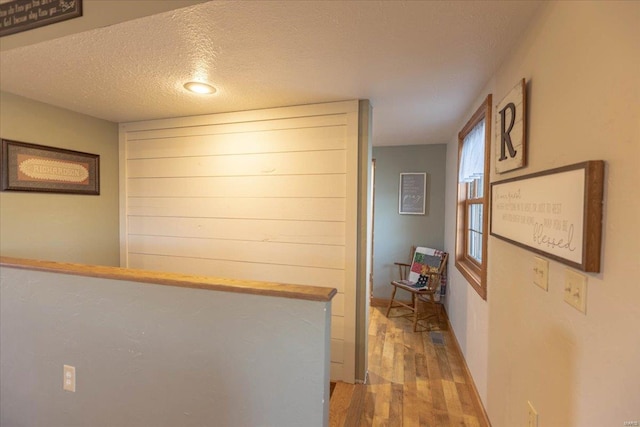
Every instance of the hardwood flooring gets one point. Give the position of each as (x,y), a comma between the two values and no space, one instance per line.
(415,379)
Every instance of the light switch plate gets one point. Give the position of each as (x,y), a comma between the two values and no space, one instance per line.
(541,272)
(575,290)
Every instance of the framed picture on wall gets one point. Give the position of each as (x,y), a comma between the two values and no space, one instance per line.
(38,168)
(556,213)
(412,193)
(24,15)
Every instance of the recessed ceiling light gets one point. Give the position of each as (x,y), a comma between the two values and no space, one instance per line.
(199,87)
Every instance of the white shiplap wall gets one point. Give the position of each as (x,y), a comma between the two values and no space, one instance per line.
(265,195)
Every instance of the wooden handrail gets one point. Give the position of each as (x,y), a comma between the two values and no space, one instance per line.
(303,292)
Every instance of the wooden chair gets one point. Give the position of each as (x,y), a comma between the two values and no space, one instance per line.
(422,279)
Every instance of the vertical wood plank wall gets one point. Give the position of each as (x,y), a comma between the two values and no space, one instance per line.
(266,195)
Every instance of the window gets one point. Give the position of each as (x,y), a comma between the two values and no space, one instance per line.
(473,188)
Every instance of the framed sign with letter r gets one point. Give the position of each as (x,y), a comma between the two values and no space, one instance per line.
(511,116)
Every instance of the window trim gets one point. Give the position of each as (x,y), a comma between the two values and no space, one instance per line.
(474,272)
(467,227)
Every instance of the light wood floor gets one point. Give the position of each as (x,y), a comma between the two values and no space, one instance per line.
(412,380)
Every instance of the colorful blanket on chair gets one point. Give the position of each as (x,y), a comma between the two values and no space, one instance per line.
(426,260)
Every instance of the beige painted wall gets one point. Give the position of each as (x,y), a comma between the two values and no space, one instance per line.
(61,227)
(581,63)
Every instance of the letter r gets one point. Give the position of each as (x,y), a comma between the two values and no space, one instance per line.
(505,137)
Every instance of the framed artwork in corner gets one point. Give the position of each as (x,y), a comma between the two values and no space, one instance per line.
(412,193)
(38,168)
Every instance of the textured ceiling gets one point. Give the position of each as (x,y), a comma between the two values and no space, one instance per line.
(420,63)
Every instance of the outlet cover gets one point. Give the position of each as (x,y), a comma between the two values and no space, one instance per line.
(69,378)
(541,272)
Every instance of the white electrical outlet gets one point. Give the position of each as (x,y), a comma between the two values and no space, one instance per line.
(532,415)
(69,378)
(541,272)
(575,290)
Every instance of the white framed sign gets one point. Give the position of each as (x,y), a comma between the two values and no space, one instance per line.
(412,193)
(556,213)
(510,140)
